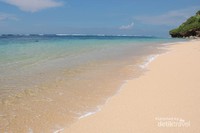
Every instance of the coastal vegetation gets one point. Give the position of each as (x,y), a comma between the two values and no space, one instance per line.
(189,28)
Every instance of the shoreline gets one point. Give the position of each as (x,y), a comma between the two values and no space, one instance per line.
(97,116)
(143,65)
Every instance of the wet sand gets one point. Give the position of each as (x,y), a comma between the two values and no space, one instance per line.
(164,99)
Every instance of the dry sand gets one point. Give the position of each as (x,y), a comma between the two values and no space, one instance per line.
(170,89)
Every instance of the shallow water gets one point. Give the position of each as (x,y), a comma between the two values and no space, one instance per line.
(49,81)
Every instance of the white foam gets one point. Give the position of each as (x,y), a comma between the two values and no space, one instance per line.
(61,34)
(148,61)
(59,130)
(90,113)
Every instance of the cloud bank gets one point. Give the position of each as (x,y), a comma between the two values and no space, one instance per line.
(171,18)
(33,5)
(127,27)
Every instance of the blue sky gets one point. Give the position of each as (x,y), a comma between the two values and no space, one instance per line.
(130,17)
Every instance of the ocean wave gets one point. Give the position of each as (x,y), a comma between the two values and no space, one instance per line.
(75,35)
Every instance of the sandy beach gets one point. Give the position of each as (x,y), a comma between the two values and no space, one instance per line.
(164,99)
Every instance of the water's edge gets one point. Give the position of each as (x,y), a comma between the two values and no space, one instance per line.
(143,65)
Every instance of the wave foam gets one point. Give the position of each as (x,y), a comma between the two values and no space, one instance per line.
(90,113)
(148,61)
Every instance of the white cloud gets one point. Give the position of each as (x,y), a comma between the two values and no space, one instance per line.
(127,27)
(33,5)
(6,16)
(170,18)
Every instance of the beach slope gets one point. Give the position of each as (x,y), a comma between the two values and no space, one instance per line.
(164,99)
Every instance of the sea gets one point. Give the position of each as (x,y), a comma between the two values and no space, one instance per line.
(49,81)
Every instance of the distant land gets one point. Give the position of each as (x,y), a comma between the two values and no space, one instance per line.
(190,28)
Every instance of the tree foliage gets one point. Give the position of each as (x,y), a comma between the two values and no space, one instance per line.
(188,28)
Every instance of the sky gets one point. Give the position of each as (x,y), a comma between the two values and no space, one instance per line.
(111,17)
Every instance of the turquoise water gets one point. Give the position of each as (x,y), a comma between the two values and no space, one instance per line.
(63,75)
